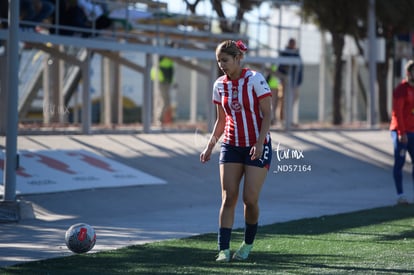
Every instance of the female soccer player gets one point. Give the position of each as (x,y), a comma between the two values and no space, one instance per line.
(243,100)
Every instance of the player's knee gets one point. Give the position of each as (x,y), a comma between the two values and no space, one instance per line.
(250,201)
(229,200)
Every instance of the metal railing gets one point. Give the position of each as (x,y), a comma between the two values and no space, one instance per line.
(195,35)
(139,22)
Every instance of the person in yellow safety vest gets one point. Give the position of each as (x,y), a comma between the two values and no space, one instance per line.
(165,80)
(274,85)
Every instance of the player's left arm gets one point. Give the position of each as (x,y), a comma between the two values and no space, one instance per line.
(264,95)
(265,106)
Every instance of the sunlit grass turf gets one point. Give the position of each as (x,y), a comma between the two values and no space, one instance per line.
(376,241)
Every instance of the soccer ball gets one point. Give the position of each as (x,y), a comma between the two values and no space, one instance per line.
(80,238)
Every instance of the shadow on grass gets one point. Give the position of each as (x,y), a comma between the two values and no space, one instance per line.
(340,222)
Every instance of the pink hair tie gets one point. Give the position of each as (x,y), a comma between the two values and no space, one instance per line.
(242,47)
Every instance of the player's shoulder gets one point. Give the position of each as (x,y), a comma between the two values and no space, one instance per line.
(254,76)
(253,73)
(402,87)
(220,80)
(257,80)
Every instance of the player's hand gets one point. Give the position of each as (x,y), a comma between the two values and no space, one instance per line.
(403,138)
(205,155)
(256,152)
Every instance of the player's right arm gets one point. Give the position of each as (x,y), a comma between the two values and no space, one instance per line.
(399,100)
(216,134)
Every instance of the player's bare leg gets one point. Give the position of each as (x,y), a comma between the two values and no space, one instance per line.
(230,177)
(253,181)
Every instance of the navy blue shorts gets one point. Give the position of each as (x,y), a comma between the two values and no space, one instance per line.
(230,153)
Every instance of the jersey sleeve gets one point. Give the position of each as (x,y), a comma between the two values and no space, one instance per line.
(398,108)
(261,87)
(216,95)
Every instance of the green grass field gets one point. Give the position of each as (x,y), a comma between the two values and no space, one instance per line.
(376,241)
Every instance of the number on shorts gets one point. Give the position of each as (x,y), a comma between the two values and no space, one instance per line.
(266,152)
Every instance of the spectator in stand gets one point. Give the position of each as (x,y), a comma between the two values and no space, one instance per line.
(165,84)
(291,76)
(273,82)
(35,11)
(82,14)
(4,13)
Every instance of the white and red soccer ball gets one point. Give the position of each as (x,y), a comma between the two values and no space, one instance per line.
(80,238)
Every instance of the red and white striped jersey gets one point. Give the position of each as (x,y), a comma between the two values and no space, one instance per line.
(240,101)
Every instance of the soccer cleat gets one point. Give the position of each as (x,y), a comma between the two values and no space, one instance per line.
(223,256)
(243,252)
(402,200)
